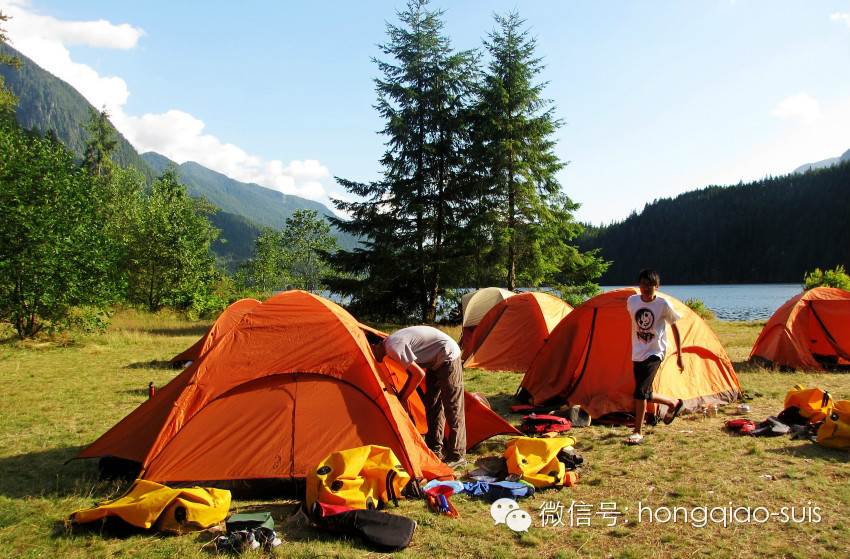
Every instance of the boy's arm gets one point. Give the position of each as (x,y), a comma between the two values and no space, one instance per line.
(678,340)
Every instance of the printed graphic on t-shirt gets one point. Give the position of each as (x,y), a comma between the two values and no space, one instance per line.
(645,321)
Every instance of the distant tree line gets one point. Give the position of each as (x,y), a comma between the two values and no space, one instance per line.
(770,231)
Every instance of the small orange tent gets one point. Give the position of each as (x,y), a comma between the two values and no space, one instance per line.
(587,361)
(811,331)
(475,305)
(225,321)
(292,382)
(513,331)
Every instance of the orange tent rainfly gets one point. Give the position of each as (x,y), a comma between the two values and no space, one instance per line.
(811,331)
(587,361)
(225,321)
(294,381)
(513,331)
(475,305)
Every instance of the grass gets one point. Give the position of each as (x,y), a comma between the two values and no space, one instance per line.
(59,396)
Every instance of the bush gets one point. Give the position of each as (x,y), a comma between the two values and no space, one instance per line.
(699,307)
(831,278)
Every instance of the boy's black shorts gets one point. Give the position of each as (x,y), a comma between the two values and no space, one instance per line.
(644,375)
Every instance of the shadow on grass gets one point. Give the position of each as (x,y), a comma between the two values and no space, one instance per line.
(501,404)
(813,451)
(198,330)
(153,365)
(46,474)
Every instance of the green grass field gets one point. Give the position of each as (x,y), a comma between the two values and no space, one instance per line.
(58,396)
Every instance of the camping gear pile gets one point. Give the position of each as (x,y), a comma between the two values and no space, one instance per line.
(809,413)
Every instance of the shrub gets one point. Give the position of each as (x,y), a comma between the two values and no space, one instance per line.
(699,307)
(830,278)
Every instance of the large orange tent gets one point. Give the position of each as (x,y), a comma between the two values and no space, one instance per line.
(475,305)
(225,321)
(587,361)
(292,382)
(513,331)
(811,331)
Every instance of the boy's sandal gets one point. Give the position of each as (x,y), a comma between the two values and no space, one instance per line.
(670,416)
(634,438)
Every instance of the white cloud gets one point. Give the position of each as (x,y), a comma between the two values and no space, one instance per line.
(799,106)
(175,134)
(179,136)
(100,33)
(841,17)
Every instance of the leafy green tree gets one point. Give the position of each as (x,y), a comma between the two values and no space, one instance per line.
(266,268)
(306,238)
(50,241)
(168,259)
(836,277)
(527,218)
(407,217)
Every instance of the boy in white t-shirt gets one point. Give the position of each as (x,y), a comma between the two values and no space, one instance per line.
(649,316)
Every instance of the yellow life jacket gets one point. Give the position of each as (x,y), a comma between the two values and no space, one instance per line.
(835,431)
(178,511)
(814,403)
(536,460)
(366,477)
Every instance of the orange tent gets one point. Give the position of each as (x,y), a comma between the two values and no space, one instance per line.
(513,331)
(292,382)
(587,361)
(811,331)
(225,321)
(475,305)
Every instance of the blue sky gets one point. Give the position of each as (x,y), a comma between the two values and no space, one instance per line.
(657,98)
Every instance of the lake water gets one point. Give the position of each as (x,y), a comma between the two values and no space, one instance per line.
(735,302)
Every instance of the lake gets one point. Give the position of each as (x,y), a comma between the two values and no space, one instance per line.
(735,302)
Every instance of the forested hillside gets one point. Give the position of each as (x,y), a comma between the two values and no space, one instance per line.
(262,206)
(770,231)
(47,103)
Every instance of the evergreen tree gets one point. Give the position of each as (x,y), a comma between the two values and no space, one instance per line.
(407,217)
(526,218)
(97,157)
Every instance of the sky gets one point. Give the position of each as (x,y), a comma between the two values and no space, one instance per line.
(656,98)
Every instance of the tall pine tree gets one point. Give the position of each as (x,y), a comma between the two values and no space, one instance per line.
(528,217)
(407,217)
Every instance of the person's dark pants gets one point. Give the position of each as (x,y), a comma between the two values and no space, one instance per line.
(444,409)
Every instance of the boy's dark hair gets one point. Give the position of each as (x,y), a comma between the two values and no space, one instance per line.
(649,274)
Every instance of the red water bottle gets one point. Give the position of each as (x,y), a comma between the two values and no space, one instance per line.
(151,389)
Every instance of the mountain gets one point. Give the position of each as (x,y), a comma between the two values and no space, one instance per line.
(769,231)
(823,164)
(261,205)
(48,103)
